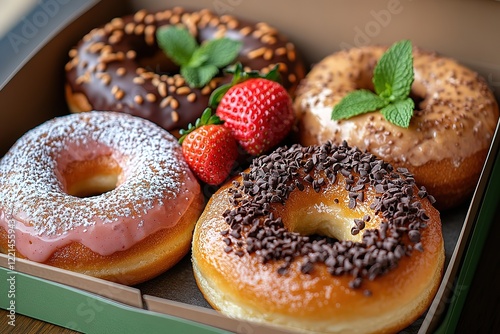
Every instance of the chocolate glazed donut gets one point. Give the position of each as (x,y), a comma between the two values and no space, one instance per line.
(120,67)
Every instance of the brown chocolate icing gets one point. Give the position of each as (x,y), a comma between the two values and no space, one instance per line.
(120,67)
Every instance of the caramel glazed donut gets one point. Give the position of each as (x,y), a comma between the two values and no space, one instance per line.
(120,66)
(100,193)
(448,139)
(323,239)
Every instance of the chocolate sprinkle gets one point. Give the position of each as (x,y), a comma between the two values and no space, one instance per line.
(271,178)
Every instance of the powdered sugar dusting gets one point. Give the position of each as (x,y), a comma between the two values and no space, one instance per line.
(32,190)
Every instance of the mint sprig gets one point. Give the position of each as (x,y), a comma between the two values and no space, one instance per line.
(392,79)
(198,63)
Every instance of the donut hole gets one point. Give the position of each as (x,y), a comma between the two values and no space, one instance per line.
(93,177)
(156,61)
(328,219)
(317,223)
(417,92)
(150,57)
(364,81)
(327,213)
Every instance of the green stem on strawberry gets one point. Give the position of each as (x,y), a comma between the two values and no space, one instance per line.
(209,148)
(207,118)
(256,108)
(240,75)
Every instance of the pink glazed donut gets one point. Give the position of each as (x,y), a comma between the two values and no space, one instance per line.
(101,193)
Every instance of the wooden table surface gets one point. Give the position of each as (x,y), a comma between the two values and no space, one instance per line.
(27,325)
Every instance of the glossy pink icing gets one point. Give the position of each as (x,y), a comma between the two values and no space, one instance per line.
(153,192)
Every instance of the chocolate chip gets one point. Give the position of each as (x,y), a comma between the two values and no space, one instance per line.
(282,270)
(355,283)
(306,268)
(240,253)
(352,203)
(431,199)
(414,236)
(235,234)
(360,224)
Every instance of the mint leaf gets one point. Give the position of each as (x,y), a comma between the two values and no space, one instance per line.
(393,74)
(399,112)
(199,76)
(392,79)
(177,43)
(220,52)
(357,102)
(197,59)
(198,64)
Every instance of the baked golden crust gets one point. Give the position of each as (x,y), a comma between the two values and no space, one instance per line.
(241,285)
(101,193)
(145,260)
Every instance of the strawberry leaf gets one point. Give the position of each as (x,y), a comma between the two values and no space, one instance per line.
(207,118)
(217,95)
(274,74)
(240,75)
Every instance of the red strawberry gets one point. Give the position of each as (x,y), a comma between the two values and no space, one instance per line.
(258,111)
(209,149)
